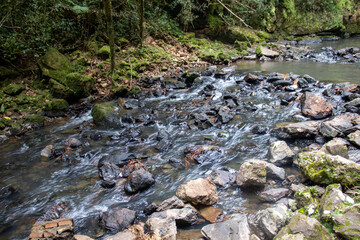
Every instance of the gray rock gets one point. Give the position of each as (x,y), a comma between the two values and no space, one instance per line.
(82,237)
(173,202)
(269,221)
(116,220)
(327,130)
(315,107)
(337,146)
(252,174)
(250,57)
(303,227)
(109,172)
(122,236)
(323,168)
(161,224)
(280,154)
(139,180)
(353,106)
(201,190)
(74,143)
(347,223)
(268,52)
(222,177)
(47,152)
(233,229)
(184,216)
(308,129)
(354,138)
(273,172)
(273,195)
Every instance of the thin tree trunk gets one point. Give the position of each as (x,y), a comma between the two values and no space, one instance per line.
(110,30)
(141,22)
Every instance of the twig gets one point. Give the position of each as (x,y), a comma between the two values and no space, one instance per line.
(241,20)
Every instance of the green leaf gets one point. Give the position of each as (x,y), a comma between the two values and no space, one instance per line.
(2,109)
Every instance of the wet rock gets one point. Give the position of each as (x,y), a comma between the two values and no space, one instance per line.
(308,129)
(162,225)
(273,195)
(353,106)
(275,77)
(346,224)
(223,177)
(354,138)
(252,79)
(287,99)
(333,200)
(190,77)
(130,167)
(337,146)
(74,143)
(280,153)
(273,172)
(139,180)
(225,115)
(3,139)
(57,229)
(6,192)
(118,219)
(55,212)
(109,172)
(268,52)
(184,216)
(202,154)
(122,236)
(119,159)
(235,228)
(210,213)
(303,227)
(315,107)
(47,152)
(269,221)
(173,202)
(105,114)
(303,83)
(151,208)
(338,125)
(257,129)
(201,191)
(252,174)
(323,168)
(283,83)
(309,79)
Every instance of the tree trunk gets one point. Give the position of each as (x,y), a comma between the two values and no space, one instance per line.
(141,22)
(110,30)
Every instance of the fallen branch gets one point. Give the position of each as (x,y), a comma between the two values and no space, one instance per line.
(241,20)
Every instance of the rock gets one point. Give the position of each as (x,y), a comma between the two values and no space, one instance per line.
(225,115)
(14,89)
(353,106)
(104,114)
(74,143)
(82,237)
(223,178)
(334,200)
(328,131)
(109,172)
(122,236)
(108,184)
(62,228)
(118,219)
(273,172)
(268,53)
(273,195)
(303,227)
(56,108)
(315,107)
(283,83)
(210,213)
(250,57)
(160,224)
(34,121)
(338,125)
(104,52)
(252,79)
(269,221)
(346,224)
(354,138)
(201,191)
(55,65)
(119,159)
(309,78)
(304,197)
(233,229)
(47,152)
(184,216)
(151,208)
(323,168)
(139,180)
(252,174)
(308,129)
(280,154)
(173,202)
(337,146)
(55,212)
(7,73)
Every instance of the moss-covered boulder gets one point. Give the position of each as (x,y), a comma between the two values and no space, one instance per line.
(7,73)
(106,114)
(55,65)
(323,168)
(59,90)
(241,45)
(34,121)
(303,227)
(56,108)
(347,223)
(104,52)
(14,89)
(79,84)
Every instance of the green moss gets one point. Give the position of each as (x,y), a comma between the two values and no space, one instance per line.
(79,84)
(59,90)
(57,105)
(244,34)
(14,89)
(104,52)
(7,73)
(100,111)
(241,45)
(258,51)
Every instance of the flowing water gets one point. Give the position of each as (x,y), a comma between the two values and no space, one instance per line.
(31,185)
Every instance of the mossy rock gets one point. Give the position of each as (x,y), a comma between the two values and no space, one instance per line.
(59,90)
(57,105)
(7,73)
(5,123)
(243,34)
(14,89)
(55,65)
(35,121)
(15,129)
(104,113)
(79,84)
(241,45)
(326,169)
(104,52)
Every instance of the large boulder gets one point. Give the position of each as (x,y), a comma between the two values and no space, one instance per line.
(55,65)
(160,224)
(105,114)
(269,221)
(337,146)
(303,227)
(233,229)
(308,129)
(268,52)
(315,107)
(280,153)
(252,174)
(116,220)
(323,168)
(184,216)
(14,89)
(201,191)
(139,180)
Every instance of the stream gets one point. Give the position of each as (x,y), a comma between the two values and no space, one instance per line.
(30,185)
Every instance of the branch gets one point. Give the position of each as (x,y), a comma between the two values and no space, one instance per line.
(241,20)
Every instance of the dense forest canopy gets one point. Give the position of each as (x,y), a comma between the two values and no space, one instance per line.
(31,26)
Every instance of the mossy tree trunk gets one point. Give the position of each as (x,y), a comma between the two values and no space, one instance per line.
(110,30)
(141,21)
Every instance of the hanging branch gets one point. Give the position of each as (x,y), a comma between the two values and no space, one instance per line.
(241,20)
